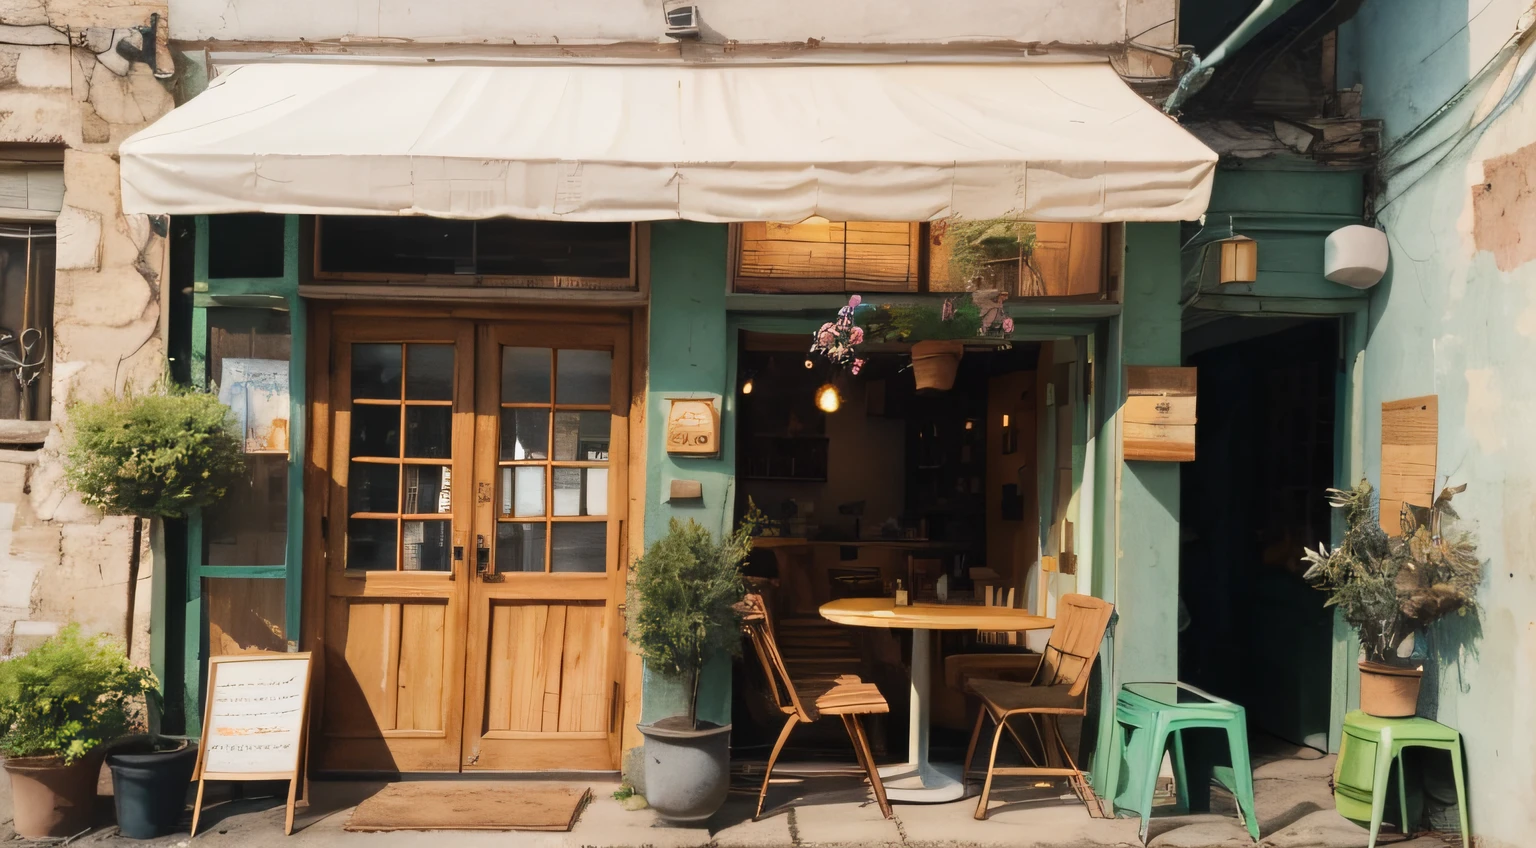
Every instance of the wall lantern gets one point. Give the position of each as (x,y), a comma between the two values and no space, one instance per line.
(1239,260)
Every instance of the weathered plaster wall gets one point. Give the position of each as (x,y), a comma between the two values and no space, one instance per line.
(59,560)
(747,21)
(1456,317)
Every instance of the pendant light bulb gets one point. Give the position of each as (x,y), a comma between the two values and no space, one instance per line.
(827,399)
(809,364)
(746,388)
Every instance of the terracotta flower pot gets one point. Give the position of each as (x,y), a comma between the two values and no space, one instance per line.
(934,364)
(1388,691)
(51,798)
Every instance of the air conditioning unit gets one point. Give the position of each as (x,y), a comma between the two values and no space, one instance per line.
(1356,256)
(682,21)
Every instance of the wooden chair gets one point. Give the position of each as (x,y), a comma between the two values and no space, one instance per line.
(845,696)
(1006,657)
(1059,687)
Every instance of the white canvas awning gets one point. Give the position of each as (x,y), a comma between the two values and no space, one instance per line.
(913,142)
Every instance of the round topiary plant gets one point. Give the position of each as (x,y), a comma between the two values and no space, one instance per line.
(154,455)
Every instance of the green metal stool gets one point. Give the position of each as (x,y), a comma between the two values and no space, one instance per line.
(1367,751)
(1157,711)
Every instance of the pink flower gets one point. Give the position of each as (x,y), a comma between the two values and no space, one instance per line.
(1008,325)
(826,338)
(857,364)
(857,337)
(855,301)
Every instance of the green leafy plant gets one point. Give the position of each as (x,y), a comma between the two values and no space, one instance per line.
(1391,587)
(683,601)
(154,455)
(69,695)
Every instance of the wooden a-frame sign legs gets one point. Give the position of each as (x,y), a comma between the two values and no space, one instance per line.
(254,722)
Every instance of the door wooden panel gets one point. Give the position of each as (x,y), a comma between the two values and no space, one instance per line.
(546,668)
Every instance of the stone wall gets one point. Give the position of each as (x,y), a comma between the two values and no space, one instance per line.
(79,74)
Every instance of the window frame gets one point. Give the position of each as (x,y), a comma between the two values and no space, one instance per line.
(33,429)
(315,224)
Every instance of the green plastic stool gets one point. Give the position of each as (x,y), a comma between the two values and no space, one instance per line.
(1367,751)
(1157,711)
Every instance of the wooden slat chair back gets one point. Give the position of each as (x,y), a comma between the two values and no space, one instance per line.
(997,596)
(845,696)
(1059,687)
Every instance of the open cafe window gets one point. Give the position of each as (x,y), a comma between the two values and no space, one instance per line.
(1025,259)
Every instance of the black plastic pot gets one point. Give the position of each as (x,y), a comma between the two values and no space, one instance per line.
(150,789)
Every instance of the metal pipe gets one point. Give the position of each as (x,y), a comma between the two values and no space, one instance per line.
(1200,73)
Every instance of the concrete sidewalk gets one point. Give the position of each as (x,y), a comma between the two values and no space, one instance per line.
(1294,806)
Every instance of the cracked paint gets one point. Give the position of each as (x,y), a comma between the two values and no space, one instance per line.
(1504,205)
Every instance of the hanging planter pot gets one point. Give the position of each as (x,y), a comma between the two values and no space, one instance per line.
(934,364)
(1389,691)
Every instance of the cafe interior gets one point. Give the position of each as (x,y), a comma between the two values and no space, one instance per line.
(870,487)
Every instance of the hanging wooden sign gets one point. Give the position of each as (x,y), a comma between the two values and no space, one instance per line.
(693,427)
(253,723)
(1158,419)
(1410,435)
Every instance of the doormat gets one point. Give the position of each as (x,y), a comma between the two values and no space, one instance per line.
(471,805)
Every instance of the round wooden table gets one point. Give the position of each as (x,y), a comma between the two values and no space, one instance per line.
(921,780)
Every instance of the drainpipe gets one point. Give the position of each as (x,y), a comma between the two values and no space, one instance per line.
(1267,12)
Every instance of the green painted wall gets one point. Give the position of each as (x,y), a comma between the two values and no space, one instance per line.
(1147,543)
(688,358)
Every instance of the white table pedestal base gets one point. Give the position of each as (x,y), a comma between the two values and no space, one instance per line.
(933,783)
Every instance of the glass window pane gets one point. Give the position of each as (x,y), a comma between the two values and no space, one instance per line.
(371,544)
(525,434)
(522,491)
(376,431)
(376,371)
(582,436)
(429,432)
(506,246)
(426,546)
(580,547)
(567,491)
(525,374)
(581,491)
(429,372)
(519,547)
(379,244)
(245,245)
(372,487)
(428,489)
(597,491)
(249,525)
(584,376)
(244,614)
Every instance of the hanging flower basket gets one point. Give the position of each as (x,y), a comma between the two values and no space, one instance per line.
(934,364)
(937,332)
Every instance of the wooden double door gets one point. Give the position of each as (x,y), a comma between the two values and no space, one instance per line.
(473,544)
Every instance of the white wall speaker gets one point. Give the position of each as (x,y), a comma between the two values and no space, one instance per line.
(1356,256)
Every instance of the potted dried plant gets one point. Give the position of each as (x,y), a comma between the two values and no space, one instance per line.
(682,610)
(61,704)
(1391,588)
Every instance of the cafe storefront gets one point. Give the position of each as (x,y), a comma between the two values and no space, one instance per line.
(458,303)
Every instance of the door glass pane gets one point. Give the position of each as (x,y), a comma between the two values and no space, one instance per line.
(584,376)
(519,547)
(376,371)
(582,436)
(580,547)
(372,487)
(429,372)
(525,374)
(596,491)
(376,431)
(522,491)
(525,433)
(249,525)
(428,489)
(426,546)
(371,544)
(429,432)
(244,614)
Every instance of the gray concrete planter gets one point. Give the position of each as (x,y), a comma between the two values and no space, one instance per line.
(687,771)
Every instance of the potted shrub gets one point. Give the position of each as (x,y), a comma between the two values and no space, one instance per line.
(682,610)
(1390,588)
(60,705)
(152,456)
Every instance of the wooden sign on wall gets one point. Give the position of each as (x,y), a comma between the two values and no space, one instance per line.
(1410,432)
(693,427)
(1158,419)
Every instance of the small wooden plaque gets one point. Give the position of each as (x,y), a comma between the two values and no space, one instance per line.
(1410,436)
(693,427)
(1158,418)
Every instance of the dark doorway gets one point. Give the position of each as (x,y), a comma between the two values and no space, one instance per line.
(1255,632)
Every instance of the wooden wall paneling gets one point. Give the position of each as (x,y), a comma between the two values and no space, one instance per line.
(1410,434)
